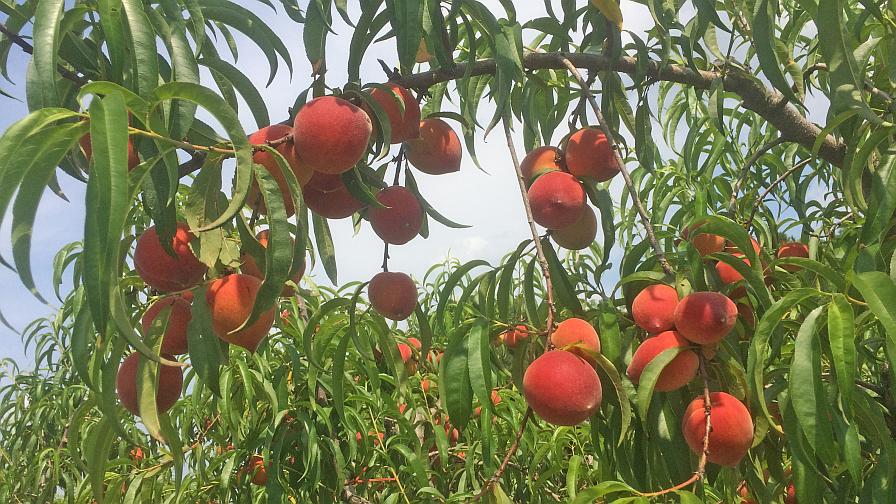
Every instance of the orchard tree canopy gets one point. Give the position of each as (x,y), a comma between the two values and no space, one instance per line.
(705,310)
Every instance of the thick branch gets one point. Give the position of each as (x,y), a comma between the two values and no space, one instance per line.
(768,103)
(633,191)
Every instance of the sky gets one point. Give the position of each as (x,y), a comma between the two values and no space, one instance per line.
(488,200)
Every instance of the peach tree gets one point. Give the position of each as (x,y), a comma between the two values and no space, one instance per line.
(705,310)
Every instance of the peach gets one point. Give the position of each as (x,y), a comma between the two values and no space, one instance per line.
(302,171)
(705,243)
(496,400)
(732,428)
(425,385)
(728,275)
(251,267)
(87,148)
(654,308)
(677,373)
(580,235)
(562,388)
(400,218)
(705,317)
(331,134)
(577,336)
(437,151)
(136,454)
(393,295)
(327,196)
(542,160)
(792,249)
(405,124)
(230,300)
(790,495)
(257,470)
(515,336)
(557,200)
(174,342)
(164,272)
(588,154)
(406,350)
(170,384)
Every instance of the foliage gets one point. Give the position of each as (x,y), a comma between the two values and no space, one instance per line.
(727,86)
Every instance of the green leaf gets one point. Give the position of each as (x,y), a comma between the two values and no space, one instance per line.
(96,451)
(407,18)
(207,351)
(764,37)
(479,362)
(142,46)
(454,382)
(112,22)
(879,291)
(651,374)
(609,370)
(243,85)
(841,335)
(807,393)
(325,248)
(42,90)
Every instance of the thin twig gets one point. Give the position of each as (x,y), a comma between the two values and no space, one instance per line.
(633,191)
(28,48)
(771,188)
(701,465)
(732,203)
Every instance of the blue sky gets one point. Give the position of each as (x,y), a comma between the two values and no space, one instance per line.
(488,201)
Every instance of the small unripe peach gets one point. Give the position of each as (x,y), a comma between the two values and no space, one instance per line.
(515,336)
(331,134)
(405,124)
(327,196)
(580,235)
(792,249)
(230,301)
(705,317)
(588,154)
(654,308)
(677,373)
(393,295)
(557,200)
(437,151)
(577,336)
(163,272)
(562,388)
(399,219)
(541,160)
(732,428)
(170,384)
(174,342)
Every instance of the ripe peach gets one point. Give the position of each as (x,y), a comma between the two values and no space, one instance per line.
(515,336)
(407,354)
(405,124)
(728,275)
(731,248)
(399,220)
(393,295)
(425,385)
(654,308)
(251,267)
(230,300)
(136,454)
(580,235)
(562,388)
(557,200)
(327,196)
(162,271)
(792,249)
(174,342)
(437,151)
(790,495)
(542,160)
(732,428)
(705,317)
(87,148)
(170,384)
(588,154)
(301,170)
(705,243)
(677,373)
(496,400)
(331,134)
(577,336)
(257,470)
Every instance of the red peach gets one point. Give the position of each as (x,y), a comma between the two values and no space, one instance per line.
(580,235)
(301,170)
(230,301)
(732,428)
(588,154)
(251,267)
(705,243)
(170,384)
(164,272)
(792,249)
(437,151)
(654,308)
(327,196)
(515,336)
(577,336)
(542,160)
(405,124)
(562,388)
(677,373)
(174,342)
(705,317)
(399,219)
(393,295)
(331,134)
(557,200)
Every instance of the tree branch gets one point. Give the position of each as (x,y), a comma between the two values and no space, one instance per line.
(755,96)
(732,204)
(633,191)
(771,187)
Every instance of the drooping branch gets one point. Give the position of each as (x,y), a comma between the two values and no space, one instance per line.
(632,190)
(755,96)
